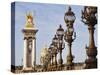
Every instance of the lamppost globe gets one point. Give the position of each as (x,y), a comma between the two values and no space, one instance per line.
(60,32)
(55,40)
(69,16)
(51,46)
(60,44)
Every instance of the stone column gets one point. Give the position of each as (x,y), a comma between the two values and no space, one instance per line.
(25,49)
(33,52)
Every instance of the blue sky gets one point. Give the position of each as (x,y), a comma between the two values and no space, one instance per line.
(47,18)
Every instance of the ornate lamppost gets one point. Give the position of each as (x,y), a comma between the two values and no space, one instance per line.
(69,38)
(55,49)
(90,19)
(61,45)
(51,52)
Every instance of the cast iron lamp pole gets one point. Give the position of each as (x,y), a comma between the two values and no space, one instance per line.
(90,19)
(61,45)
(51,49)
(55,49)
(69,38)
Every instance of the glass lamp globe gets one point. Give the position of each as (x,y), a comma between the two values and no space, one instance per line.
(55,40)
(69,16)
(60,32)
(51,46)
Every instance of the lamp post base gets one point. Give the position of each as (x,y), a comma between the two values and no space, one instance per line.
(30,69)
(69,60)
(60,61)
(91,62)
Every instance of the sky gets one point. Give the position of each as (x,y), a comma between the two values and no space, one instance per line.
(47,18)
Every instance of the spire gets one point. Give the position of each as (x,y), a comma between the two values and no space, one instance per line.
(29,20)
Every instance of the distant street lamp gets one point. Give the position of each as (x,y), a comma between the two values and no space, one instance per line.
(51,52)
(55,49)
(61,45)
(89,17)
(68,36)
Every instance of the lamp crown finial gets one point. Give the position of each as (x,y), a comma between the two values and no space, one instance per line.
(69,8)
(60,26)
